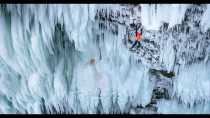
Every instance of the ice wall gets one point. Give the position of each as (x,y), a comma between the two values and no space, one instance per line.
(154,15)
(45,61)
(44,65)
(192,84)
(177,108)
(205,19)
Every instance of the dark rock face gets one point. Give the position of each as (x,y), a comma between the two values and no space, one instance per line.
(163,73)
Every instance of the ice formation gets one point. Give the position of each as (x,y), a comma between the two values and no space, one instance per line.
(74,59)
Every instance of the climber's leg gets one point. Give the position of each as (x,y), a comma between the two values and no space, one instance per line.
(134,44)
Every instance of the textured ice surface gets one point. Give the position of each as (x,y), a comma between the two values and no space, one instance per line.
(153,15)
(174,107)
(192,85)
(45,53)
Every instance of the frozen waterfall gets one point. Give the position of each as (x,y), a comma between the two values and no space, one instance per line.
(74,59)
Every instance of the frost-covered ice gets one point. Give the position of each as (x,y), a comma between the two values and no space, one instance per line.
(174,107)
(153,15)
(192,85)
(46,53)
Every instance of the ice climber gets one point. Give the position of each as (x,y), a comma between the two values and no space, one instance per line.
(138,37)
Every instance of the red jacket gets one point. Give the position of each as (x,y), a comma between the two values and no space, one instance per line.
(138,36)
